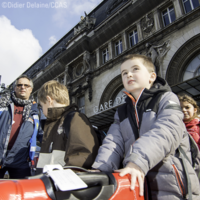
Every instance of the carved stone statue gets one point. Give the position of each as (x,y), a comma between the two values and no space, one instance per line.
(147,24)
(85,23)
(157,53)
(86,60)
(67,72)
(47,61)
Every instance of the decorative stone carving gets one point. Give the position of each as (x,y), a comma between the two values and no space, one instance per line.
(68,74)
(58,51)
(82,88)
(85,23)
(78,70)
(35,71)
(147,24)
(82,67)
(89,86)
(47,61)
(157,53)
(86,61)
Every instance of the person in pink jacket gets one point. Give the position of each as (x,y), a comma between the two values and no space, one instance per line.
(192,122)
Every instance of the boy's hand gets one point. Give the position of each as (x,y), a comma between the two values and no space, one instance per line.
(136,173)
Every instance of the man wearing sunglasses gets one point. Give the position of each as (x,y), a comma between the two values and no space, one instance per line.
(19,126)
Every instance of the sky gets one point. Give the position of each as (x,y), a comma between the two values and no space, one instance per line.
(29,28)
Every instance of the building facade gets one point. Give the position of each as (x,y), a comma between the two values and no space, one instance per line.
(87,59)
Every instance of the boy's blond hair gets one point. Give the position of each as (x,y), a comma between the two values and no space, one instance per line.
(55,90)
(146,61)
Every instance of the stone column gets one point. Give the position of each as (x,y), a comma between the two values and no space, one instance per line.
(139,32)
(124,41)
(110,50)
(97,58)
(177,8)
(65,78)
(156,20)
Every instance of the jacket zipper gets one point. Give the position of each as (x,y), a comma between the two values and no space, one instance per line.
(180,183)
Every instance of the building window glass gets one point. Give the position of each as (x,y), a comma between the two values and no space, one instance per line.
(190,5)
(168,16)
(193,69)
(133,38)
(118,47)
(81,104)
(105,55)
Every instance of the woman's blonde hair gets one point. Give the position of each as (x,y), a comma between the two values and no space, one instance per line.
(55,90)
(186,98)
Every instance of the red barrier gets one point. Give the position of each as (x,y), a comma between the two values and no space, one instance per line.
(123,190)
(23,190)
(34,189)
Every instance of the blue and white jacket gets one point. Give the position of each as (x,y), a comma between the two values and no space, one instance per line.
(25,145)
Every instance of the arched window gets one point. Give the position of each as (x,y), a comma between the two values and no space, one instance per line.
(193,69)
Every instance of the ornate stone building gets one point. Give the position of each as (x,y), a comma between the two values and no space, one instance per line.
(87,59)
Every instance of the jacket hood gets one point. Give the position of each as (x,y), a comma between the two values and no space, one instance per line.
(57,112)
(160,86)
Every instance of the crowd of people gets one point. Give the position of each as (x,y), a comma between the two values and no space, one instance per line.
(155,135)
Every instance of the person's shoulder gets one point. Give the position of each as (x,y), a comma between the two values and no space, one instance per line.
(34,106)
(169,100)
(168,95)
(2,109)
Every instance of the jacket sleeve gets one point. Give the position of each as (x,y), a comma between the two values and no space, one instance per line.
(41,126)
(40,134)
(111,153)
(164,136)
(82,143)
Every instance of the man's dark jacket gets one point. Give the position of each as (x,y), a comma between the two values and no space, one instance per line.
(18,156)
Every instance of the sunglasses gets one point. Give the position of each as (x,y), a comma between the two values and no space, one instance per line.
(25,85)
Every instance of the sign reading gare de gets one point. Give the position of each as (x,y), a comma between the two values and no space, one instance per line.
(109,104)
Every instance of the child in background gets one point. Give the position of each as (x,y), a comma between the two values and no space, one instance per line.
(146,140)
(78,147)
(190,110)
